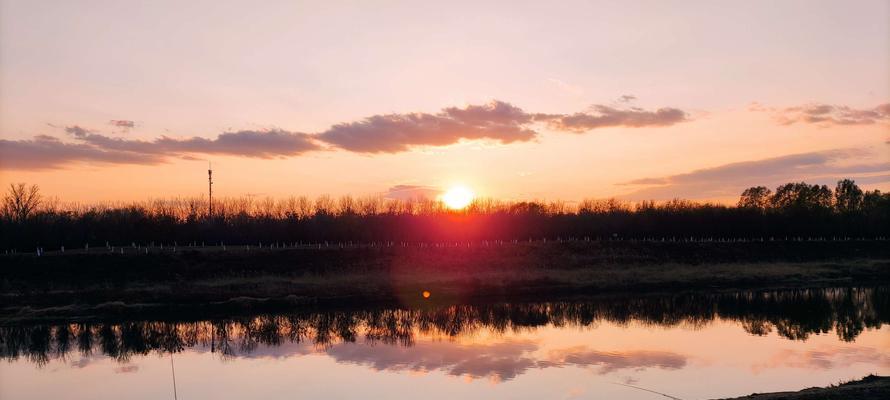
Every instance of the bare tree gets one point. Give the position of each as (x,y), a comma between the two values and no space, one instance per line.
(21,201)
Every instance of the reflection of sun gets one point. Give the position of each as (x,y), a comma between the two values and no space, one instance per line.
(458,197)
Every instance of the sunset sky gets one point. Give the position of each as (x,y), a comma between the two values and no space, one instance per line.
(129,100)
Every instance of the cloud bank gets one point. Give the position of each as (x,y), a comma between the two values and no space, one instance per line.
(497,121)
(728,180)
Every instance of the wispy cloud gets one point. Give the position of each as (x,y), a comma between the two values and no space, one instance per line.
(627,98)
(497,121)
(124,125)
(602,116)
(730,179)
(826,114)
(412,192)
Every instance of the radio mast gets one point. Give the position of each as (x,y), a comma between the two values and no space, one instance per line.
(210,190)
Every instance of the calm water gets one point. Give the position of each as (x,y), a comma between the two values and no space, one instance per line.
(686,346)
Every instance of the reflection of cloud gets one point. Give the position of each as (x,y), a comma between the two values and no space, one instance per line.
(500,361)
(283,350)
(825,358)
(629,380)
(612,361)
(412,192)
(731,179)
(575,393)
(383,133)
(503,360)
(82,362)
(126,369)
(827,114)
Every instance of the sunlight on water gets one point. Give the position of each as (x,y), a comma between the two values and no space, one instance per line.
(691,347)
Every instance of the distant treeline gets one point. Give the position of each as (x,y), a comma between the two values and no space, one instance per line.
(794,315)
(793,210)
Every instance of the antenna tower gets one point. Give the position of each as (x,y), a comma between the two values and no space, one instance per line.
(210,190)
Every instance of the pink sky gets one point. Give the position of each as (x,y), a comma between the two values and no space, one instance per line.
(644,100)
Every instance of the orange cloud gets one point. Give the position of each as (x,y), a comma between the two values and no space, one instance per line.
(388,133)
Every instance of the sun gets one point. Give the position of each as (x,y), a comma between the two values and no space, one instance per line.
(458,197)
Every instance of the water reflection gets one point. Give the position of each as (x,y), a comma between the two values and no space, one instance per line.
(499,361)
(793,315)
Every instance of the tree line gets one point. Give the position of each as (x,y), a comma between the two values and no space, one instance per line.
(793,210)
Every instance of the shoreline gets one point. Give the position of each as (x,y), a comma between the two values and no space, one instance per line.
(250,306)
(872,387)
(82,285)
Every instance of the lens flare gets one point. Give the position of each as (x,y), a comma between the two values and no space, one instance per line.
(458,197)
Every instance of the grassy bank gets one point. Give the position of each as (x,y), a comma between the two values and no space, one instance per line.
(868,388)
(110,282)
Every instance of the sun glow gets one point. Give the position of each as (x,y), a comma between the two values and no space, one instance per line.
(458,197)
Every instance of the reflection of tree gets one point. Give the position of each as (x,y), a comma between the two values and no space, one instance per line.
(63,336)
(84,340)
(794,315)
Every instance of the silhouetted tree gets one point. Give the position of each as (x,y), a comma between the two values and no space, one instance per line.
(802,197)
(847,196)
(793,210)
(757,197)
(875,200)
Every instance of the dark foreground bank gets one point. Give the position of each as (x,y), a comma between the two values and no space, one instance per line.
(871,387)
(106,282)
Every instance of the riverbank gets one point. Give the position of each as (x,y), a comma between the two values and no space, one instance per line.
(871,387)
(74,285)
